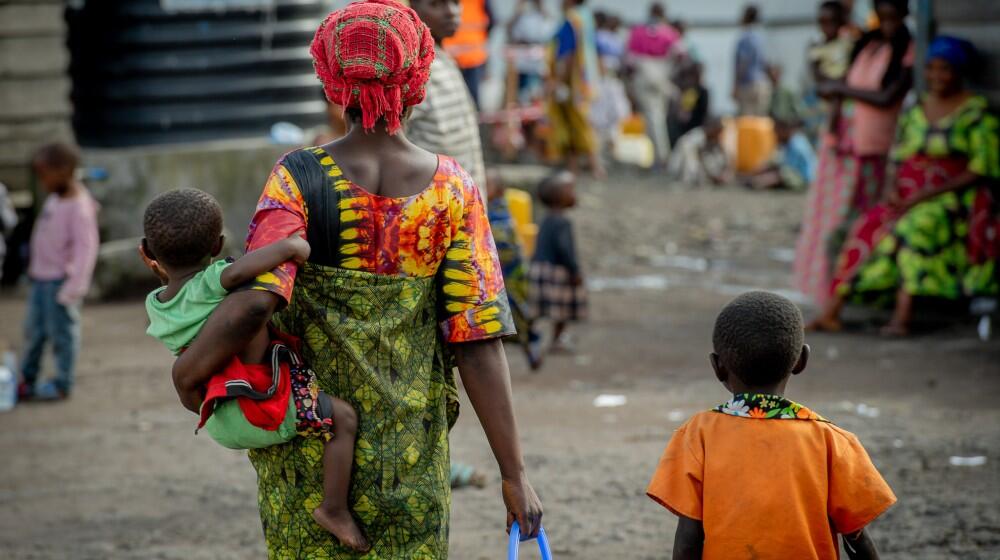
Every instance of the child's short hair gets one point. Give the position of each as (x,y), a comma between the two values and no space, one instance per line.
(548,189)
(182,226)
(758,337)
(57,155)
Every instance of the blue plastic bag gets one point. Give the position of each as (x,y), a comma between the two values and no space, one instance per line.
(514,542)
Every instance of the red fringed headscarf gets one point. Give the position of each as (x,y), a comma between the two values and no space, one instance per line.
(376,56)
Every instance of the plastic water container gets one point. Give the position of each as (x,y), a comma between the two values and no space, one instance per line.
(755,143)
(520,204)
(529,236)
(634,149)
(8,384)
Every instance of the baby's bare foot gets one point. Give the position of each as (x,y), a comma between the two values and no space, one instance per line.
(342,525)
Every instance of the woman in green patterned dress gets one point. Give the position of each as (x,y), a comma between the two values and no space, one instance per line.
(403,283)
(936,235)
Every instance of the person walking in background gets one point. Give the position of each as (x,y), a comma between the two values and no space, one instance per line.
(853,156)
(469,45)
(528,32)
(8,220)
(610,43)
(572,84)
(936,233)
(751,87)
(611,107)
(446,122)
(557,288)
(64,248)
(402,284)
(650,52)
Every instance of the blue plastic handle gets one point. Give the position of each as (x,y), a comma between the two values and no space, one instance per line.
(514,542)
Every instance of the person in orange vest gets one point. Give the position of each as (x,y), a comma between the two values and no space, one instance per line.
(469,46)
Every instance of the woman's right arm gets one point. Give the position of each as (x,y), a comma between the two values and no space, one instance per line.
(227,332)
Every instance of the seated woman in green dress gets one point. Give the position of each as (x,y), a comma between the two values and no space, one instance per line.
(402,284)
(936,234)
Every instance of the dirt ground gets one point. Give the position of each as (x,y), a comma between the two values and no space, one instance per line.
(115,472)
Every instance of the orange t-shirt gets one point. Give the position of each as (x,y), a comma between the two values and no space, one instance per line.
(778,487)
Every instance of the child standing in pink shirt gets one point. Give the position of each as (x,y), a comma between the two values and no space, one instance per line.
(64,247)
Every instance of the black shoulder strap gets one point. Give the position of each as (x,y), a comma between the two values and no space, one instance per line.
(315,174)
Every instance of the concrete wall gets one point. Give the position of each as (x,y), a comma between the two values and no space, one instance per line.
(34,87)
(232,171)
(979,22)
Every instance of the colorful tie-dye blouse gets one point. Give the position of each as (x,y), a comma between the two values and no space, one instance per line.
(441,231)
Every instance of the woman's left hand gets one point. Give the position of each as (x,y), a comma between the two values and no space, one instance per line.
(523,505)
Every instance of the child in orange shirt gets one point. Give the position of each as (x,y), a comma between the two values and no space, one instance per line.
(761,476)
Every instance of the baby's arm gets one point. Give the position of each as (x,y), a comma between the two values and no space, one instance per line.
(689,539)
(860,546)
(265,259)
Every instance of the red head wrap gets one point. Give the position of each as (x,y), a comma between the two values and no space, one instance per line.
(374,55)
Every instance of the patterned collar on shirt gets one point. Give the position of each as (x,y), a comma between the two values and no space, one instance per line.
(762,406)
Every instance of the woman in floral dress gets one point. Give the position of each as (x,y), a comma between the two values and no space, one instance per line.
(936,234)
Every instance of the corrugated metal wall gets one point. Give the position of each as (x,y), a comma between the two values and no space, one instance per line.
(979,22)
(143,74)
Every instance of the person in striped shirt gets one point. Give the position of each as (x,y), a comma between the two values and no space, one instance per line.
(447,122)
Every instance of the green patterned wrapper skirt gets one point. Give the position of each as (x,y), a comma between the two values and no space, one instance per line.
(926,254)
(373,340)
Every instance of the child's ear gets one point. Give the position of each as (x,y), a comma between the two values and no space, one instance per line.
(145,252)
(149,259)
(219,245)
(800,366)
(720,372)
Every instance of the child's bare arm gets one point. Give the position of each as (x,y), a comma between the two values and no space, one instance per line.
(263,260)
(860,546)
(689,539)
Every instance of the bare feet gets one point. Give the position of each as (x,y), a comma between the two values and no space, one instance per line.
(895,330)
(342,525)
(825,324)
